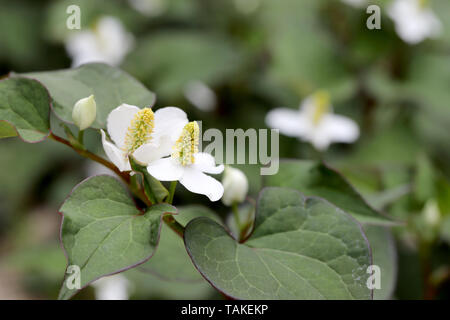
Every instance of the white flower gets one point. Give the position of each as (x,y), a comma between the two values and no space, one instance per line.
(84,112)
(200,95)
(314,122)
(114,287)
(355,3)
(235,186)
(107,42)
(189,166)
(145,135)
(414,20)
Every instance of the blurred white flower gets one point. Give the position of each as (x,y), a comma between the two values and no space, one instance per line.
(356,3)
(149,8)
(414,20)
(314,122)
(235,185)
(200,95)
(115,287)
(84,112)
(189,166)
(107,42)
(145,135)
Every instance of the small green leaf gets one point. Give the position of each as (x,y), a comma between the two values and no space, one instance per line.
(301,248)
(315,179)
(104,233)
(25,106)
(154,189)
(171,262)
(110,86)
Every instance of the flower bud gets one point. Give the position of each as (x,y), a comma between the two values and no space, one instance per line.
(431,213)
(84,112)
(235,186)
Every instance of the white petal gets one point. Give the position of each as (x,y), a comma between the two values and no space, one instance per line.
(118,122)
(200,95)
(165,169)
(339,128)
(206,163)
(112,40)
(290,122)
(116,155)
(198,182)
(82,47)
(149,152)
(320,140)
(169,121)
(114,287)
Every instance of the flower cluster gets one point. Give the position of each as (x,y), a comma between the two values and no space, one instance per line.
(166,143)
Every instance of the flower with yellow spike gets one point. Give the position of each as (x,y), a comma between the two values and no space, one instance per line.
(314,122)
(187,165)
(141,133)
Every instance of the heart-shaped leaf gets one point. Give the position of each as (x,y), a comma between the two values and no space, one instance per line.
(25,108)
(110,86)
(300,248)
(171,262)
(313,178)
(104,233)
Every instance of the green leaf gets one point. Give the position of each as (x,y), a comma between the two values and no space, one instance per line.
(25,106)
(171,262)
(384,254)
(110,86)
(104,233)
(301,248)
(315,179)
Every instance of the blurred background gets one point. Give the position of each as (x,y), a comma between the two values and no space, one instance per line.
(227,63)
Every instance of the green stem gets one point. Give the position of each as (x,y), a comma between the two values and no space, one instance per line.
(172,188)
(235,209)
(81,137)
(174,225)
(125,176)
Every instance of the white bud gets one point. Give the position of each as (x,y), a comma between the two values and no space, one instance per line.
(84,112)
(235,186)
(431,213)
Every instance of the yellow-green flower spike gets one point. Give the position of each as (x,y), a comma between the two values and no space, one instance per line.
(140,130)
(423,3)
(321,105)
(187,144)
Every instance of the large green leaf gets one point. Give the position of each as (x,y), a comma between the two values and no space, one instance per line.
(315,179)
(110,86)
(384,256)
(24,105)
(104,233)
(301,248)
(171,262)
